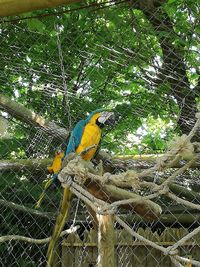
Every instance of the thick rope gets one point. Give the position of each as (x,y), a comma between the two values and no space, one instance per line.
(178,149)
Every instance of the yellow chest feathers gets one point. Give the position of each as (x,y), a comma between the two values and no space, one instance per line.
(91,136)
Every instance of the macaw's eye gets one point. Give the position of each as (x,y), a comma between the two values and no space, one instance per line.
(106,118)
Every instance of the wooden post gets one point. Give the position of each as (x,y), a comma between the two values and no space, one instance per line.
(106,241)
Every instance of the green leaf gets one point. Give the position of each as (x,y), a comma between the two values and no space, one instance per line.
(36,24)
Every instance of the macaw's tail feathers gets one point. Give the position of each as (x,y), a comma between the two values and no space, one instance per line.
(47,185)
(60,222)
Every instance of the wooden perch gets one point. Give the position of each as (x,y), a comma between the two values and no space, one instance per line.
(24,164)
(110,193)
(41,164)
(22,113)
(84,173)
(14,7)
(165,218)
(141,162)
(178,190)
(168,219)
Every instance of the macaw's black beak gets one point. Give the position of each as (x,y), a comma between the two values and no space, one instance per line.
(111,120)
(106,119)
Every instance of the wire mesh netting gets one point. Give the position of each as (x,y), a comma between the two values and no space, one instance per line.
(136,202)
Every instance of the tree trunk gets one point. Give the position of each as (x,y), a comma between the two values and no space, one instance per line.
(173,71)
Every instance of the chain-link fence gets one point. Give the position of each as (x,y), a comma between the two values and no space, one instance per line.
(137,202)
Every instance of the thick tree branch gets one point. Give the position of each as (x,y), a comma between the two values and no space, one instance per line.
(143,162)
(24,164)
(97,192)
(135,162)
(28,116)
(167,219)
(125,163)
(178,190)
(14,7)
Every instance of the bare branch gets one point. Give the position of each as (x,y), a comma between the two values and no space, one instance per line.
(36,241)
(14,206)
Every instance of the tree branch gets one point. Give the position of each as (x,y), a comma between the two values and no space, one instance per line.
(22,113)
(8,8)
(14,206)
(36,241)
(104,192)
(24,164)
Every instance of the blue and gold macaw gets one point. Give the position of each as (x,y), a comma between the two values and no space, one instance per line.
(84,140)
(87,133)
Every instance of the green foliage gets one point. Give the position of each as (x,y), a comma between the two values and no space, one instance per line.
(36,25)
(106,55)
(113,57)
(12,147)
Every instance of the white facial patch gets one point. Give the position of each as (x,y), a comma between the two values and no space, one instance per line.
(105,115)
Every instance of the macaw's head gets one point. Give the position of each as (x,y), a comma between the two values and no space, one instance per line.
(101,118)
(105,118)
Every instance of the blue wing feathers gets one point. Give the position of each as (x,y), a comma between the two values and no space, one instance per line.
(75,137)
(73,143)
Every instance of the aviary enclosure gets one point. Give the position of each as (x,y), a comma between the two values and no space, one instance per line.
(137,201)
